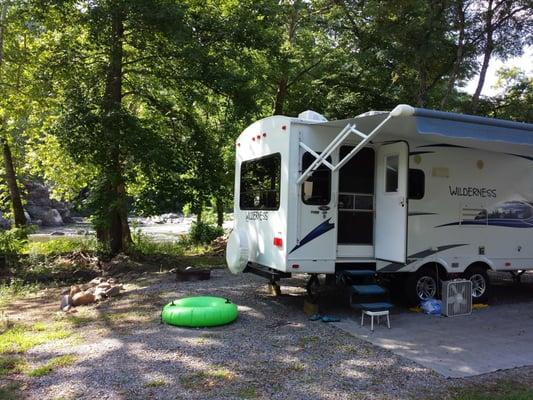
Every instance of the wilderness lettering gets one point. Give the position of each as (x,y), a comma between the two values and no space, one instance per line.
(471,191)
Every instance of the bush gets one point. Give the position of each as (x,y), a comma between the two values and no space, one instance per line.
(13,241)
(62,246)
(144,244)
(204,233)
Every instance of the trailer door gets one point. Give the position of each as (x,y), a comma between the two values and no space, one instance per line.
(316,235)
(391,202)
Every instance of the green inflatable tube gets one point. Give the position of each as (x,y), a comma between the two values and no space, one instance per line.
(199,311)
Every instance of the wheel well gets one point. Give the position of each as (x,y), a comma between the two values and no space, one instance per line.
(481,264)
(441,271)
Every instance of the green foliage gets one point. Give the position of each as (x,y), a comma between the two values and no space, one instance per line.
(515,98)
(204,233)
(13,241)
(137,104)
(62,246)
(145,245)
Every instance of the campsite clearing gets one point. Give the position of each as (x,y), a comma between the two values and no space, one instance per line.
(120,350)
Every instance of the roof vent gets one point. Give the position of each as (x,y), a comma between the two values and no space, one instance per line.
(312,116)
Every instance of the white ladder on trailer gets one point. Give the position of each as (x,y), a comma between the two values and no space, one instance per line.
(335,144)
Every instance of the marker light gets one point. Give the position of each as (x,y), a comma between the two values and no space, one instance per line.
(278,242)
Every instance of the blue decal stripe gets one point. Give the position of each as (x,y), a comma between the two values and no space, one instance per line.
(415,213)
(509,223)
(324,227)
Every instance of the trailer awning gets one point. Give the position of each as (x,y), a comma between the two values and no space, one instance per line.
(446,128)
(461,126)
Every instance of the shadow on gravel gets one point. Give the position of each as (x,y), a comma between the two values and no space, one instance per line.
(272,351)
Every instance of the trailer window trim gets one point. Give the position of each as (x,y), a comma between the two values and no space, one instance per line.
(275,180)
(326,172)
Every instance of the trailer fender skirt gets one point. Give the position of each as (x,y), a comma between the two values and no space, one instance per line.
(199,311)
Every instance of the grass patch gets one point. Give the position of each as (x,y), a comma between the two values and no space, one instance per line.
(16,289)
(296,366)
(145,245)
(20,338)
(500,390)
(10,392)
(154,383)
(10,364)
(53,364)
(248,393)
(308,340)
(208,379)
(62,246)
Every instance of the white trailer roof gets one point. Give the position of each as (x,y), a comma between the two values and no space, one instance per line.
(447,128)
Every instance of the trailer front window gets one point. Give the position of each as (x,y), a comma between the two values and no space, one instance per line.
(260,183)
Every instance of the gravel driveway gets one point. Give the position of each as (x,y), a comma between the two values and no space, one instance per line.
(271,352)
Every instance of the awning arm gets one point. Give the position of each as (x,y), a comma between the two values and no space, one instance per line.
(335,144)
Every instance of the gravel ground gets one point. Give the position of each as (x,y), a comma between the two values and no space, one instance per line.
(271,352)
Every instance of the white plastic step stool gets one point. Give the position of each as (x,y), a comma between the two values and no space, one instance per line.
(373,314)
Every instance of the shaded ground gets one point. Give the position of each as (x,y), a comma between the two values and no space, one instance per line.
(121,351)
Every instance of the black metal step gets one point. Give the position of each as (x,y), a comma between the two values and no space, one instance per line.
(368,290)
(359,273)
(378,306)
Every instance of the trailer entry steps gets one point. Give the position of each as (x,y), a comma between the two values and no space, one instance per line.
(368,290)
(374,307)
(358,273)
(269,273)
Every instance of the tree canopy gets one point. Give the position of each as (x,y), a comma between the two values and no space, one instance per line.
(138,102)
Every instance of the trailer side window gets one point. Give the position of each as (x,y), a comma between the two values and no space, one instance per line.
(391,177)
(316,190)
(417,184)
(260,183)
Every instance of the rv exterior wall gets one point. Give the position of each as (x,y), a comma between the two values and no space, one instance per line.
(261,225)
(477,206)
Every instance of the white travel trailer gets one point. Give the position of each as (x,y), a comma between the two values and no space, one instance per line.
(413,193)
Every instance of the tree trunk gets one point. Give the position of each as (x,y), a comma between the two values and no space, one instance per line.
(489,47)
(118,234)
(458,57)
(281,95)
(199,212)
(220,211)
(11,179)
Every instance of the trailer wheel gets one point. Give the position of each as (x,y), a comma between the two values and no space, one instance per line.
(480,283)
(422,285)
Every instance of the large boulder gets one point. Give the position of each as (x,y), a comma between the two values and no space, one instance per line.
(45,211)
(52,218)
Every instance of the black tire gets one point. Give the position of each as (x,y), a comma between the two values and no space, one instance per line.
(412,290)
(477,274)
